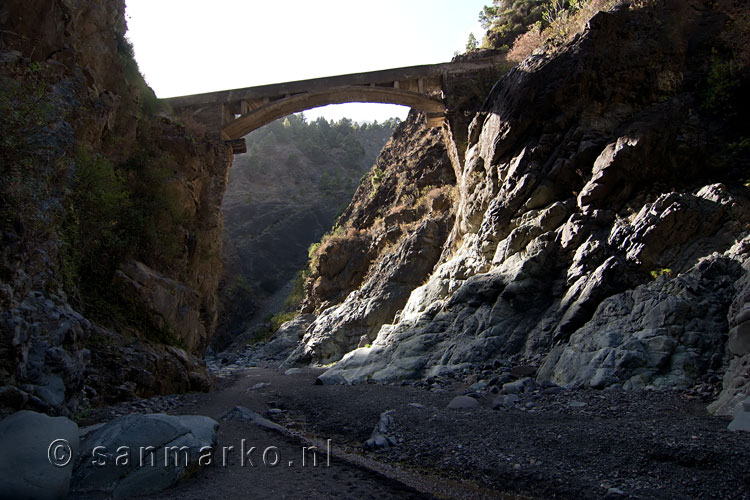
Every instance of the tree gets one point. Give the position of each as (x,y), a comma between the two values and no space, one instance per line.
(472,44)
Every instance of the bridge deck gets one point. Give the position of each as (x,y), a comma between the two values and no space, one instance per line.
(383,77)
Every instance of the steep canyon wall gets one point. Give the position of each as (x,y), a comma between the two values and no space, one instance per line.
(597,230)
(111,222)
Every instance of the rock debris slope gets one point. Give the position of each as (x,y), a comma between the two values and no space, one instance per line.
(600,231)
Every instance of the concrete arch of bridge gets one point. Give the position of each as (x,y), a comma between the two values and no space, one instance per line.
(267,113)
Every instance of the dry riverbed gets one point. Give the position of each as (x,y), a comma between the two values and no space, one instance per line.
(566,444)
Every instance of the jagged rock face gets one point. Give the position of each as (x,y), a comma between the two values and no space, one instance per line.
(364,277)
(53,357)
(76,33)
(356,321)
(585,174)
(411,181)
(737,375)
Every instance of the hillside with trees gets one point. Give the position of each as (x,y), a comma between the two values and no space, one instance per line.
(284,194)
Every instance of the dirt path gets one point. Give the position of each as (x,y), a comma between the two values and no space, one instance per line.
(568,444)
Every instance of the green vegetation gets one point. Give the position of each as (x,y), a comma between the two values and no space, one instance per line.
(722,83)
(521,26)
(661,272)
(730,63)
(376,177)
(148,104)
(289,311)
(239,283)
(113,214)
(723,90)
(505,20)
(95,232)
(279,319)
(297,294)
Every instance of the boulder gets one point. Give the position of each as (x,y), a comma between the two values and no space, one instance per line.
(142,454)
(379,438)
(519,386)
(331,378)
(505,401)
(172,305)
(37,456)
(741,420)
(463,403)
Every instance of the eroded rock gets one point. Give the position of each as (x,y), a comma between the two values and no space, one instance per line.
(159,449)
(37,456)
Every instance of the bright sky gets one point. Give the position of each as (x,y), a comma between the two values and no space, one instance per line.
(194,46)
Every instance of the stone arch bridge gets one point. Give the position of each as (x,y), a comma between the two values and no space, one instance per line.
(240,111)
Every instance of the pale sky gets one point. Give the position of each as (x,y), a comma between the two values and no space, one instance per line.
(194,46)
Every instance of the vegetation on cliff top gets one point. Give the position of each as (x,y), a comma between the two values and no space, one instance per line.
(521,26)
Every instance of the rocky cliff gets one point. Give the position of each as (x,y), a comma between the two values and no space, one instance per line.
(110,222)
(386,243)
(598,228)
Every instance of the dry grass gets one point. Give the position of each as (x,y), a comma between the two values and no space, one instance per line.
(562,28)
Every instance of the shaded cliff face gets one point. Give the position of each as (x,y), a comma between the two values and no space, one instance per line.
(601,223)
(110,218)
(282,196)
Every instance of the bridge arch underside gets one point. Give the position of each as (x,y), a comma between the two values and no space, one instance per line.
(266,113)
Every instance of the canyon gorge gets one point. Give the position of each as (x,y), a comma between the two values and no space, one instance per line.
(570,247)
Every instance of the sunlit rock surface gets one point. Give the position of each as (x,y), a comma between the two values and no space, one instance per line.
(593,229)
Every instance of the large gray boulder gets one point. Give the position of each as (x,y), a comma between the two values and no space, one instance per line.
(37,456)
(741,421)
(116,460)
(463,403)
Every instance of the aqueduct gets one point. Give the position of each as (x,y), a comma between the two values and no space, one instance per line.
(240,111)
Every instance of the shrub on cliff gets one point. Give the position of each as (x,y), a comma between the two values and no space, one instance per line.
(95,235)
(560,22)
(505,20)
(112,214)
